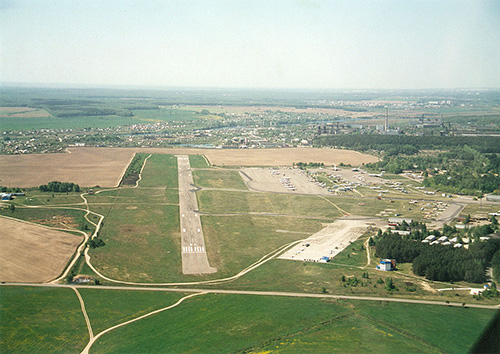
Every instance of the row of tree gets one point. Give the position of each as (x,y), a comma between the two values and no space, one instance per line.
(59,187)
(4,189)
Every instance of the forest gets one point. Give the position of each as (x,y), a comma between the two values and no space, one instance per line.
(462,170)
(365,142)
(438,262)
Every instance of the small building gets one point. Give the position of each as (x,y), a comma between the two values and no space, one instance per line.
(399,220)
(443,239)
(324,259)
(493,197)
(476,291)
(82,279)
(430,238)
(6,196)
(387,265)
(400,232)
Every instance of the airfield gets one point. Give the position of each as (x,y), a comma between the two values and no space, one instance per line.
(194,246)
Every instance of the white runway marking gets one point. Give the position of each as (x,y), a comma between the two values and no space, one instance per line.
(195,249)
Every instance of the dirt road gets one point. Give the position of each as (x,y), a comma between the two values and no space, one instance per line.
(194,255)
(264,293)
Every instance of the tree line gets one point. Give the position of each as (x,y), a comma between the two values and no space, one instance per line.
(59,187)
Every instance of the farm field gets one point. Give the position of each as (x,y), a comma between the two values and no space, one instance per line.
(85,167)
(105,166)
(33,253)
(74,117)
(22,112)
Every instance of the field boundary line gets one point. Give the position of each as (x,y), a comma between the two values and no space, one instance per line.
(93,339)
(125,170)
(84,311)
(207,160)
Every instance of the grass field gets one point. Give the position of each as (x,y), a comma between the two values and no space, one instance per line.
(141,228)
(62,218)
(40,320)
(235,242)
(288,204)
(235,323)
(218,179)
(48,320)
(107,308)
(160,171)
(37,320)
(142,243)
(198,161)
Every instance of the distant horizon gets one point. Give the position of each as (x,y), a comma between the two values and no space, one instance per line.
(54,85)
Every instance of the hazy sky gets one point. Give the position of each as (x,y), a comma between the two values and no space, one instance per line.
(254,44)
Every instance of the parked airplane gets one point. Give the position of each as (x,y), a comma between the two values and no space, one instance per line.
(377,174)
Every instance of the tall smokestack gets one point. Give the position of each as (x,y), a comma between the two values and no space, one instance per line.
(386,118)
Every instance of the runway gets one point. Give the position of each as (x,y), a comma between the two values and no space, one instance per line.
(194,256)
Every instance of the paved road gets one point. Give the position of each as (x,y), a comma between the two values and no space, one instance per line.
(194,255)
(261,293)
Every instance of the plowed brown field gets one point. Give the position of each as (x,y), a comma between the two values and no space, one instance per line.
(32,253)
(105,166)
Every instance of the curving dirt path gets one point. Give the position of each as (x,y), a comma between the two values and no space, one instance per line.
(84,311)
(368,256)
